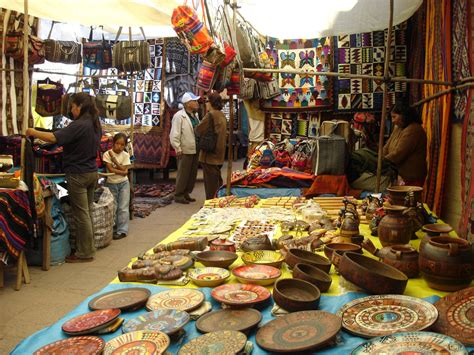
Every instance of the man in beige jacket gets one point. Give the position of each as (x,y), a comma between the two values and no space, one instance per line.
(183,140)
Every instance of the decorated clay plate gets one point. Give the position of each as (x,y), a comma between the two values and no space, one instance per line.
(127,299)
(167,321)
(180,261)
(141,342)
(221,342)
(90,322)
(263,257)
(456,316)
(181,299)
(240,320)
(379,315)
(411,343)
(209,276)
(75,345)
(298,331)
(256,274)
(240,295)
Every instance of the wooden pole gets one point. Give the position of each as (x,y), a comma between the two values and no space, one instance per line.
(26,87)
(386,74)
(443,92)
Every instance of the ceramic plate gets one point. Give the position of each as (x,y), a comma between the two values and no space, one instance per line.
(90,322)
(180,261)
(208,276)
(411,343)
(229,319)
(456,316)
(221,342)
(240,295)
(167,321)
(298,331)
(379,315)
(75,345)
(126,299)
(256,274)
(181,299)
(263,257)
(139,342)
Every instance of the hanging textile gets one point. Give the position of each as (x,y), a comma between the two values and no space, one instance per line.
(436,113)
(416,59)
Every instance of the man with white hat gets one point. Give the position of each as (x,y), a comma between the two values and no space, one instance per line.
(183,140)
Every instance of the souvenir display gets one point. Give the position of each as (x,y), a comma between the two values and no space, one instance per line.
(263,257)
(240,320)
(248,229)
(313,275)
(285,202)
(240,295)
(75,345)
(256,274)
(182,299)
(208,276)
(232,201)
(222,342)
(90,322)
(456,316)
(395,227)
(299,331)
(296,295)
(379,315)
(127,299)
(168,321)
(139,342)
(217,258)
(422,343)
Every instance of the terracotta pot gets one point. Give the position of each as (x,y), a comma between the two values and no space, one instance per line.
(397,194)
(313,275)
(296,295)
(297,256)
(222,244)
(395,227)
(446,263)
(349,225)
(435,229)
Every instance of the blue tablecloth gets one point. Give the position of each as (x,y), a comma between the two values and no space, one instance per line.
(345,341)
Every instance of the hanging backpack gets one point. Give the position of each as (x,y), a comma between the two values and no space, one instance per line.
(130,56)
(97,54)
(67,52)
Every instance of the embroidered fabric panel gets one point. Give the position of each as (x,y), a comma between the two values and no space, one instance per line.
(280,126)
(364,53)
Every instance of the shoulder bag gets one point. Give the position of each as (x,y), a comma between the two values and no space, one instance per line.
(67,52)
(14,48)
(131,56)
(97,54)
(116,107)
(208,141)
(48,98)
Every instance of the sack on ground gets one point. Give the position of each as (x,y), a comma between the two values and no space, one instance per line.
(329,155)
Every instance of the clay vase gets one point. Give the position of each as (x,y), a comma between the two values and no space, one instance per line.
(446,263)
(374,204)
(398,194)
(401,257)
(395,228)
(222,244)
(349,225)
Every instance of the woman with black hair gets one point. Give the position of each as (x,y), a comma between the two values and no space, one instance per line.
(80,141)
(406,147)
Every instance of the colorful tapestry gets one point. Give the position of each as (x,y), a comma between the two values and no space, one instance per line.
(281,125)
(148,198)
(364,53)
(436,113)
(301,91)
(416,60)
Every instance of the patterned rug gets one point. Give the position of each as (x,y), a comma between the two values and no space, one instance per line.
(150,197)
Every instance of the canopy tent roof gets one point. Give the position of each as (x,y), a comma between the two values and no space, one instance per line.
(275,18)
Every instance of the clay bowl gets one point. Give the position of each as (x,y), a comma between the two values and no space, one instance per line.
(208,276)
(313,275)
(398,193)
(297,256)
(330,248)
(296,295)
(263,257)
(435,229)
(217,258)
(372,275)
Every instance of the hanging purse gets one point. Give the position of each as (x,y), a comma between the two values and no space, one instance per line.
(116,107)
(230,54)
(48,98)
(208,141)
(14,48)
(131,56)
(247,91)
(97,54)
(207,76)
(67,52)
(214,55)
(268,89)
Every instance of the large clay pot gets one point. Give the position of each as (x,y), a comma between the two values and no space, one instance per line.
(395,228)
(397,194)
(446,263)
(222,244)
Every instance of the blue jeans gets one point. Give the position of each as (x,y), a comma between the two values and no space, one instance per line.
(121,192)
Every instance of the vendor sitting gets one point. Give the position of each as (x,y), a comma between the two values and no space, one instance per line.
(406,147)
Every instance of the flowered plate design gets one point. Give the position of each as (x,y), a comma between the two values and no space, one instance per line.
(90,322)
(168,321)
(263,257)
(125,299)
(75,345)
(386,314)
(257,274)
(181,299)
(208,276)
(240,295)
(221,342)
(142,342)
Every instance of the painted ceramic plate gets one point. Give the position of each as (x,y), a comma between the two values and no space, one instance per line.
(167,321)
(411,343)
(208,276)
(240,320)
(256,274)
(90,322)
(141,342)
(298,331)
(75,345)
(240,295)
(456,316)
(263,257)
(180,261)
(127,299)
(379,315)
(181,299)
(221,342)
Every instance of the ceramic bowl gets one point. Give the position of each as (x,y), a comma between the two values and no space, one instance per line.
(435,229)
(296,295)
(208,276)
(330,248)
(297,256)
(217,258)
(263,257)
(372,275)
(263,275)
(313,275)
